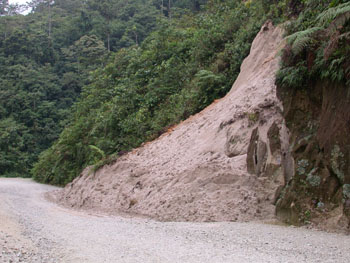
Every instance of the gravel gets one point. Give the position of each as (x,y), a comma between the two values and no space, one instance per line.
(35,230)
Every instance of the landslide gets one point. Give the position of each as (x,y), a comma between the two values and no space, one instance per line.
(222,164)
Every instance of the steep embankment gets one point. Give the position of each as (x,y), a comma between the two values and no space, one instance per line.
(198,171)
(318,118)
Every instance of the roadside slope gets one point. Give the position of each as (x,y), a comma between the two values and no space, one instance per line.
(198,171)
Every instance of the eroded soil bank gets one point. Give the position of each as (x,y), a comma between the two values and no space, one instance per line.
(318,117)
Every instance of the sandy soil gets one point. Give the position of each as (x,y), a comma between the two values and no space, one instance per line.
(49,233)
(197,171)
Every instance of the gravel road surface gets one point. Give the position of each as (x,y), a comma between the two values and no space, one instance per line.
(35,230)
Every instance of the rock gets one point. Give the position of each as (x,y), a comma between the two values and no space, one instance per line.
(257,154)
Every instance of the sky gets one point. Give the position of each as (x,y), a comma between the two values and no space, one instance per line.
(20,2)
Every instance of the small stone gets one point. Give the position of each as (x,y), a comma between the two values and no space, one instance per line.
(320,205)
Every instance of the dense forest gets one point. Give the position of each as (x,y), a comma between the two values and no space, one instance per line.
(82,82)
(46,58)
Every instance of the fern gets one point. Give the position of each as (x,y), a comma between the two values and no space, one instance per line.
(337,73)
(326,41)
(333,18)
(334,42)
(339,15)
(98,150)
(302,39)
(342,12)
(292,77)
(345,36)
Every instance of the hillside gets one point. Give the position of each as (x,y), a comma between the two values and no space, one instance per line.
(197,171)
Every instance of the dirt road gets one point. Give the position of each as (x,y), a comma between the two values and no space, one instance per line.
(35,230)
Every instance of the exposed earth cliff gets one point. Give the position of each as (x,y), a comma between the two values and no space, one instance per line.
(222,164)
(319,120)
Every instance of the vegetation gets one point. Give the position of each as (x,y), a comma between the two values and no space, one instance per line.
(45,60)
(318,46)
(85,81)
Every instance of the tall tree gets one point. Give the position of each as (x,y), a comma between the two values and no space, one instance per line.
(6,12)
(108,9)
(3,7)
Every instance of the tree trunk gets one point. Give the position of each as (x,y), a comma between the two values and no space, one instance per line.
(169,7)
(5,29)
(162,8)
(50,22)
(136,38)
(108,42)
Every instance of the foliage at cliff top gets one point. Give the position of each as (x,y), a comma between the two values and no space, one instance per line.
(318,46)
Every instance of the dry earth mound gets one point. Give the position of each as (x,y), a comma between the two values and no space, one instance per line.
(223,164)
